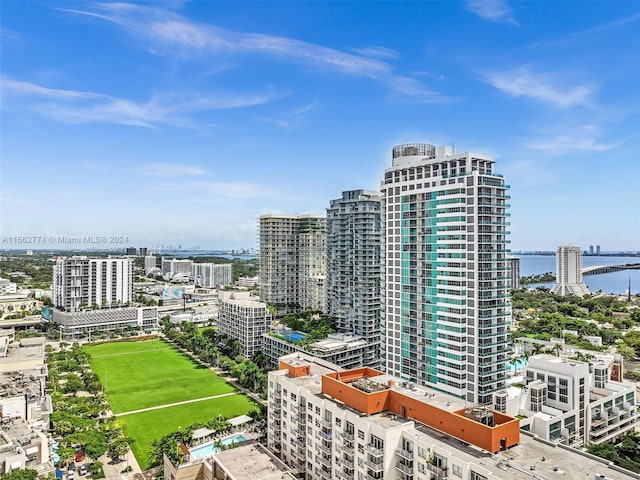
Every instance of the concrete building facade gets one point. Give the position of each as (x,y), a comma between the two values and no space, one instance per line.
(243,317)
(212,274)
(569,272)
(292,262)
(514,263)
(447,276)
(82,282)
(353,272)
(573,402)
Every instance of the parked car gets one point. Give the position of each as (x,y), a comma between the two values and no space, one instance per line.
(79,457)
(71,467)
(82,470)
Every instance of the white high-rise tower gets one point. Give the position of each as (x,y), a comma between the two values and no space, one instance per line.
(569,272)
(447,276)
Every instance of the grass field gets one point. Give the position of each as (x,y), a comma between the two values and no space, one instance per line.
(148,426)
(139,375)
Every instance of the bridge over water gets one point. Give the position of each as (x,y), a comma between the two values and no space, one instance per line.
(600,269)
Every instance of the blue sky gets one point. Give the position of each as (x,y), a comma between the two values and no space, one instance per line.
(173,122)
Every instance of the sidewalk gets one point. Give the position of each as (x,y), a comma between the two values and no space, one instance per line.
(112,471)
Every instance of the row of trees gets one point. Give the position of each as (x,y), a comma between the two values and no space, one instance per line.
(81,422)
(220,351)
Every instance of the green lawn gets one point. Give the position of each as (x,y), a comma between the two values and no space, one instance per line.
(145,374)
(147,426)
(138,375)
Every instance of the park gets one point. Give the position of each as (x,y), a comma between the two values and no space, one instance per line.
(153,389)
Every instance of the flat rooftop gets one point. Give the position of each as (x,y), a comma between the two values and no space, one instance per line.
(531,459)
(263,464)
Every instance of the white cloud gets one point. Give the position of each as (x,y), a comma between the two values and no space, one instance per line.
(522,82)
(492,10)
(176,35)
(585,138)
(72,106)
(376,51)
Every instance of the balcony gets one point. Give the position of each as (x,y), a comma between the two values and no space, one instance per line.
(326,423)
(325,474)
(406,469)
(347,436)
(374,451)
(326,461)
(346,462)
(404,453)
(439,473)
(323,449)
(324,435)
(374,466)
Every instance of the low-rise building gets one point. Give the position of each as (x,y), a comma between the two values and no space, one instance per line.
(572,402)
(82,324)
(7,287)
(343,349)
(23,447)
(250,461)
(243,317)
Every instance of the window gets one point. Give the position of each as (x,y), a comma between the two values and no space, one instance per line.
(457,470)
(360,434)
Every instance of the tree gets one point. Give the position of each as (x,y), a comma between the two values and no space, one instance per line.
(67,455)
(119,447)
(627,352)
(21,474)
(74,383)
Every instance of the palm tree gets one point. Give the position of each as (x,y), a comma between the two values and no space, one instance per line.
(538,348)
(557,348)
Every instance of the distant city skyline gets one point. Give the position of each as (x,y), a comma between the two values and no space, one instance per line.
(177,122)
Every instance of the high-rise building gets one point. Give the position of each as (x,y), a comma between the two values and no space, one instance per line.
(354,267)
(150,263)
(143,251)
(569,272)
(80,281)
(212,274)
(514,263)
(590,249)
(292,262)
(173,266)
(131,251)
(446,298)
(597,249)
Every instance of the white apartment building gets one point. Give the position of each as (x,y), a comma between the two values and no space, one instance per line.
(335,424)
(212,274)
(573,402)
(353,272)
(7,287)
(244,318)
(172,267)
(343,349)
(447,276)
(569,272)
(292,262)
(83,282)
(150,263)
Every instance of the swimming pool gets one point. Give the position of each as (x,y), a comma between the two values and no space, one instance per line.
(294,337)
(519,365)
(208,449)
